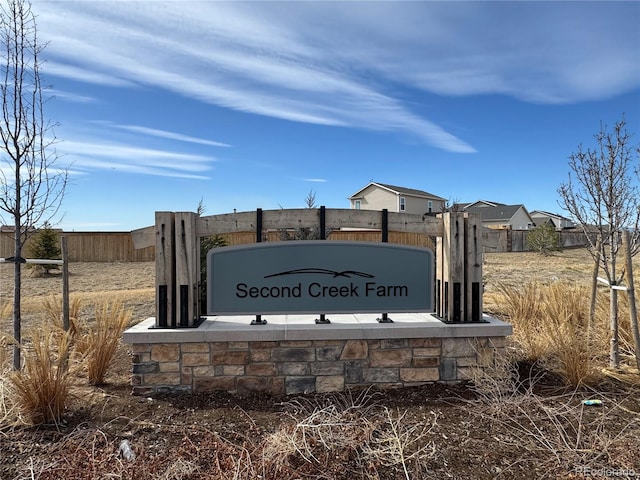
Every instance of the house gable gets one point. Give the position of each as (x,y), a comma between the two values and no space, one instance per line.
(541,217)
(499,215)
(378,196)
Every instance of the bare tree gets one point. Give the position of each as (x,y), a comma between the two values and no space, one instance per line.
(31,185)
(602,196)
(310,200)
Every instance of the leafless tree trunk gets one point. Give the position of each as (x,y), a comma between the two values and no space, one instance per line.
(633,313)
(594,292)
(31,187)
(603,198)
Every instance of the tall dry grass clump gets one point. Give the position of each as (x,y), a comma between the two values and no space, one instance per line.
(41,389)
(99,340)
(7,405)
(52,309)
(550,326)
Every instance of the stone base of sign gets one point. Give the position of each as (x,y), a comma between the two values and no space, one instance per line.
(293,355)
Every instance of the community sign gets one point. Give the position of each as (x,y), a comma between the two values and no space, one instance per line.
(323,276)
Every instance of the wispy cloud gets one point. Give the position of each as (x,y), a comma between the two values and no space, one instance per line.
(169,135)
(345,63)
(68,96)
(315,180)
(91,155)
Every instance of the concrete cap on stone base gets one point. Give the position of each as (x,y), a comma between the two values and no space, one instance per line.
(303,327)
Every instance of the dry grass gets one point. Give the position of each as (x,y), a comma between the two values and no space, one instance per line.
(346,435)
(41,389)
(52,311)
(98,341)
(560,429)
(550,325)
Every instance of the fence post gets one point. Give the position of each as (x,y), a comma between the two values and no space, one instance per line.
(473,268)
(458,295)
(187,260)
(65,283)
(165,270)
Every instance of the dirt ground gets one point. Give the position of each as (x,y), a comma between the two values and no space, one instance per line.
(524,424)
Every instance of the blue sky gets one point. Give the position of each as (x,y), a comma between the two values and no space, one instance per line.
(247,105)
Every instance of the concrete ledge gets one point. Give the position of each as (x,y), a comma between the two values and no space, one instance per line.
(303,327)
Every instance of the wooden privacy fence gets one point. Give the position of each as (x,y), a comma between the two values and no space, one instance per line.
(89,246)
(119,247)
(405,238)
(176,236)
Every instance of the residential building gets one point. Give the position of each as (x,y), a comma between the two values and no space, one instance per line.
(559,222)
(498,215)
(378,196)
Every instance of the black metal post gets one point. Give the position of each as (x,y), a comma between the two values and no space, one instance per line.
(323,223)
(258,225)
(323,320)
(385,239)
(258,320)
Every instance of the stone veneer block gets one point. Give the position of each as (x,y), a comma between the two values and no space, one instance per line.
(166,367)
(212,384)
(141,357)
(425,343)
(466,361)
(390,358)
(491,342)
(163,378)
(254,384)
(293,368)
(328,353)
(380,375)
(235,370)
(466,373)
(267,369)
(448,369)
(458,347)
(260,355)
(165,352)
(141,347)
(293,354)
(353,372)
(238,345)
(145,368)
(413,375)
(394,343)
(296,343)
(327,368)
(237,357)
(355,350)
(427,352)
(332,383)
(425,362)
(294,385)
(261,345)
(203,371)
(195,359)
(194,348)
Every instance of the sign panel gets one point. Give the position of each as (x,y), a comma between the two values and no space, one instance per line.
(322,276)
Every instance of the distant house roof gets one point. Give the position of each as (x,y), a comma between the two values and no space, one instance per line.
(542,213)
(399,190)
(495,213)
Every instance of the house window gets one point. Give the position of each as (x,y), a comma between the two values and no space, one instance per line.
(429,206)
(357,204)
(403,205)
